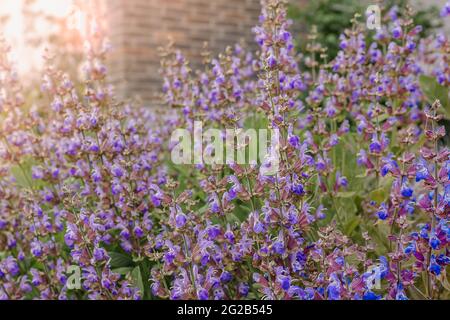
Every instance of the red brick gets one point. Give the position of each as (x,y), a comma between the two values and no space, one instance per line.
(139,27)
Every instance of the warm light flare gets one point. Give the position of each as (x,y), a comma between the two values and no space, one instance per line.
(17,32)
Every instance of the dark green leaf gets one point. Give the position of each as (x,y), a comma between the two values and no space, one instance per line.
(137,279)
(120,260)
(123,270)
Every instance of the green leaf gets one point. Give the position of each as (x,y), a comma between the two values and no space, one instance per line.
(351,225)
(383,117)
(380,232)
(120,260)
(433,90)
(379,195)
(444,282)
(347,194)
(22,173)
(123,270)
(241,212)
(137,279)
(145,267)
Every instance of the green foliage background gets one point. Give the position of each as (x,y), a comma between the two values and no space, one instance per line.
(332,17)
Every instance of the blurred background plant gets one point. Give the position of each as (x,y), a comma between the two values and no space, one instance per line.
(332,17)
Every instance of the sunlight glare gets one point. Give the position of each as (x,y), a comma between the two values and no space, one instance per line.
(14,30)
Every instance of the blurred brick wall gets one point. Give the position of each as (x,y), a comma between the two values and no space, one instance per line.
(138,27)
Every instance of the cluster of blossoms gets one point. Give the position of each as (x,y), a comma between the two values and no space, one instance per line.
(358,208)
